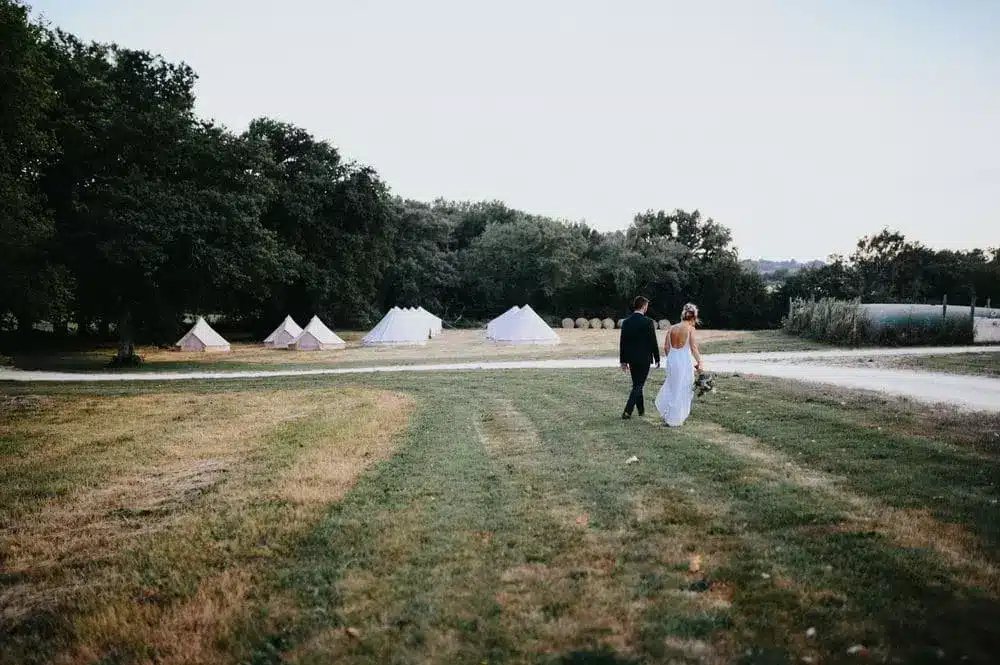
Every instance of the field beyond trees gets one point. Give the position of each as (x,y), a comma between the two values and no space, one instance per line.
(491,518)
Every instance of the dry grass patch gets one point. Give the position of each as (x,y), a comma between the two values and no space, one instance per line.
(198,484)
(318,477)
(134,457)
(184,633)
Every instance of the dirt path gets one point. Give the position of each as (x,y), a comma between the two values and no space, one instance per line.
(970,392)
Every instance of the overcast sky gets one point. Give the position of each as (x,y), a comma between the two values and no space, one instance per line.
(801,125)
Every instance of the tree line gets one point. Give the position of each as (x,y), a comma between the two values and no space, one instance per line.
(888,268)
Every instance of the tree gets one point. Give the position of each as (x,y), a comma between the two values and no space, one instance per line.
(30,285)
(122,118)
(424,271)
(472,219)
(705,239)
(876,263)
(336,219)
(836,279)
(156,212)
(528,261)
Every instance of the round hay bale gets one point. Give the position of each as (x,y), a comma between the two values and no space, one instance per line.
(663,324)
(595,324)
(582,323)
(568,323)
(620,322)
(608,324)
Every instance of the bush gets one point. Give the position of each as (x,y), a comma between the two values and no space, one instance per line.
(663,324)
(846,323)
(568,324)
(608,324)
(582,323)
(126,362)
(595,324)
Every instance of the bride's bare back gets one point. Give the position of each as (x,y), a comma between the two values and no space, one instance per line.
(678,335)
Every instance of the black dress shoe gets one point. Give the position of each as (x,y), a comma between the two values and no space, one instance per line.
(626,415)
(641,413)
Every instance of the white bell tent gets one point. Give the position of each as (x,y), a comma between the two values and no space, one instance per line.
(492,325)
(397,327)
(435,321)
(422,318)
(284,334)
(524,327)
(316,337)
(202,337)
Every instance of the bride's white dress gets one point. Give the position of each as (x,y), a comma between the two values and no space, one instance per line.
(674,399)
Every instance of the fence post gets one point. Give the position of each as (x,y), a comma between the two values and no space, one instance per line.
(972,308)
(944,307)
(791,307)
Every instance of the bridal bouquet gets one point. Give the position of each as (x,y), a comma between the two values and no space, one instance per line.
(703,384)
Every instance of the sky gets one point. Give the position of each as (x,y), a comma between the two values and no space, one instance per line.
(799,124)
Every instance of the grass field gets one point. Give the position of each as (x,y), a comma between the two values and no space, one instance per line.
(452,346)
(491,518)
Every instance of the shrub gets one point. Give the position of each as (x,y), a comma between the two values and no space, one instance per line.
(846,323)
(582,323)
(568,323)
(663,324)
(608,324)
(595,324)
(134,360)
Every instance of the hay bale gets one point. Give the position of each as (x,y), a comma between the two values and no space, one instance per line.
(568,324)
(608,324)
(595,324)
(663,324)
(620,322)
(582,323)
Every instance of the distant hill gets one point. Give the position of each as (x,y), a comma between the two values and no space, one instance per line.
(768,266)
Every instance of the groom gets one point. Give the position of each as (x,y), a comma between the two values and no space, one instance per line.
(637,349)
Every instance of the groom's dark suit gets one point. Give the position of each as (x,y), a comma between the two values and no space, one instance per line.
(638,349)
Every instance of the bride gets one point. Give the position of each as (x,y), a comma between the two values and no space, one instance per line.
(674,399)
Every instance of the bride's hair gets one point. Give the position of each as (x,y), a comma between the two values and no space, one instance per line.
(690,313)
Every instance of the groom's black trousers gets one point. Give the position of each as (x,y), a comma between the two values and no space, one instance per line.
(640,372)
